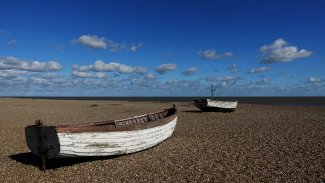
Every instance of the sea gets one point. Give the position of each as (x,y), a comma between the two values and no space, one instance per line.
(280,101)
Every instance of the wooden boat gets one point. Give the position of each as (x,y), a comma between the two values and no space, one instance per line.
(106,138)
(215,105)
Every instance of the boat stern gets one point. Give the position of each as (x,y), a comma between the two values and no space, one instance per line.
(42,140)
(201,103)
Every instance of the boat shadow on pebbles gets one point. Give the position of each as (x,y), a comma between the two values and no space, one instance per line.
(193,111)
(211,111)
(29,158)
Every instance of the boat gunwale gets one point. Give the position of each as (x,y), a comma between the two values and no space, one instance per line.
(112,125)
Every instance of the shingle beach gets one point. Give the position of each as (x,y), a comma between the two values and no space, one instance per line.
(256,143)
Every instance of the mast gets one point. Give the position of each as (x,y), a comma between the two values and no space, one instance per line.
(213,88)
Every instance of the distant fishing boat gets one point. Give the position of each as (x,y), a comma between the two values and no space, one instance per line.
(215,105)
(107,138)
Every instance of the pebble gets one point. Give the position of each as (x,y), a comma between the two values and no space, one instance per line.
(256,143)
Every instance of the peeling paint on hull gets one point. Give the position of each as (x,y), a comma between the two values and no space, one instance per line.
(113,143)
(114,137)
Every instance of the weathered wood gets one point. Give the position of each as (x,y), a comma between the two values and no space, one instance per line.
(112,143)
(106,138)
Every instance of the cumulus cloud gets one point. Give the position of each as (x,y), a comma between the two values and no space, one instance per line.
(36,85)
(313,80)
(101,66)
(164,68)
(98,66)
(82,74)
(9,62)
(125,69)
(34,66)
(190,71)
(212,54)
(140,70)
(91,41)
(11,73)
(150,76)
(281,51)
(41,66)
(258,70)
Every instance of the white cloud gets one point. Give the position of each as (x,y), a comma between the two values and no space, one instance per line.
(41,66)
(211,54)
(258,70)
(100,66)
(190,71)
(281,51)
(125,69)
(140,85)
(11,73)
(150,76)
(140,70)
(91,41)
(313,80)
(34,66)
(9,62)
(164,68)
(83,74)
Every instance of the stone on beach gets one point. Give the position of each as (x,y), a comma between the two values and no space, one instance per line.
(256,143)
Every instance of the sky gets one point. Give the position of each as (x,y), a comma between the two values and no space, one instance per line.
(162,48)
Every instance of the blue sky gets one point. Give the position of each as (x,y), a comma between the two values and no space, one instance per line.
(162,48)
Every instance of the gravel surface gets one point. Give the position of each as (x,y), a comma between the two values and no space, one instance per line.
(256,143)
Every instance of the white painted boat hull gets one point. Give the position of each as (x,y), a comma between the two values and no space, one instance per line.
(105,138)
(215,105)
(113,143)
